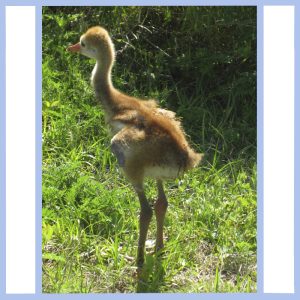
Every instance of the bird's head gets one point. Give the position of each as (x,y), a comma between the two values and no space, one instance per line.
(95,43)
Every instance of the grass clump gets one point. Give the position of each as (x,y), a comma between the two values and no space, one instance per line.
(197,61)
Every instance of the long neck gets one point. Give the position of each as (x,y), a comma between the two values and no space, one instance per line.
(101,81)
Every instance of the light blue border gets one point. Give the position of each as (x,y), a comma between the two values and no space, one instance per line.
(260,163)
(259,4)
(2,153)
(297,150)
(38,149)
(149,2)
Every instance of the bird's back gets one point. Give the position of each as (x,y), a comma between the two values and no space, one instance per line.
(157,141)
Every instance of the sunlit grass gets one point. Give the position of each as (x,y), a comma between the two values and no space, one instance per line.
(90,212)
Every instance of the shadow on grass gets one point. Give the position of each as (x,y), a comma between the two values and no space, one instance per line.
(152,277)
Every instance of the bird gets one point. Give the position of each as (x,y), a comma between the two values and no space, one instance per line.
(147,141)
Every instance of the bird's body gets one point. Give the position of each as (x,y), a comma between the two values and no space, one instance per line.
(148,141)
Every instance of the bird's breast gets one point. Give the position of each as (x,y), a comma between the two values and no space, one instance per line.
(116,126)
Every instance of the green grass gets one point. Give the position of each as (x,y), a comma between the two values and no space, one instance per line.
(90,212)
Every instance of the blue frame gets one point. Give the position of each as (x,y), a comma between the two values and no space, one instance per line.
(2,151)
(38,5)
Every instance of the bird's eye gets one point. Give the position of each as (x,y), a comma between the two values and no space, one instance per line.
(82,44)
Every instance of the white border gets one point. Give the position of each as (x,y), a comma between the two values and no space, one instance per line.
(20,149)
(279,149)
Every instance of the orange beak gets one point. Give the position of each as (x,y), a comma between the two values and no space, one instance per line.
(74,48)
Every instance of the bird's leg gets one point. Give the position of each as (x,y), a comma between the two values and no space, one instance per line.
(145,218)
(160,208)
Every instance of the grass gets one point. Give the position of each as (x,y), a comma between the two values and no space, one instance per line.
(90,212)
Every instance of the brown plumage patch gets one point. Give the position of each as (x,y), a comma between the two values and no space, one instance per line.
(145,136)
